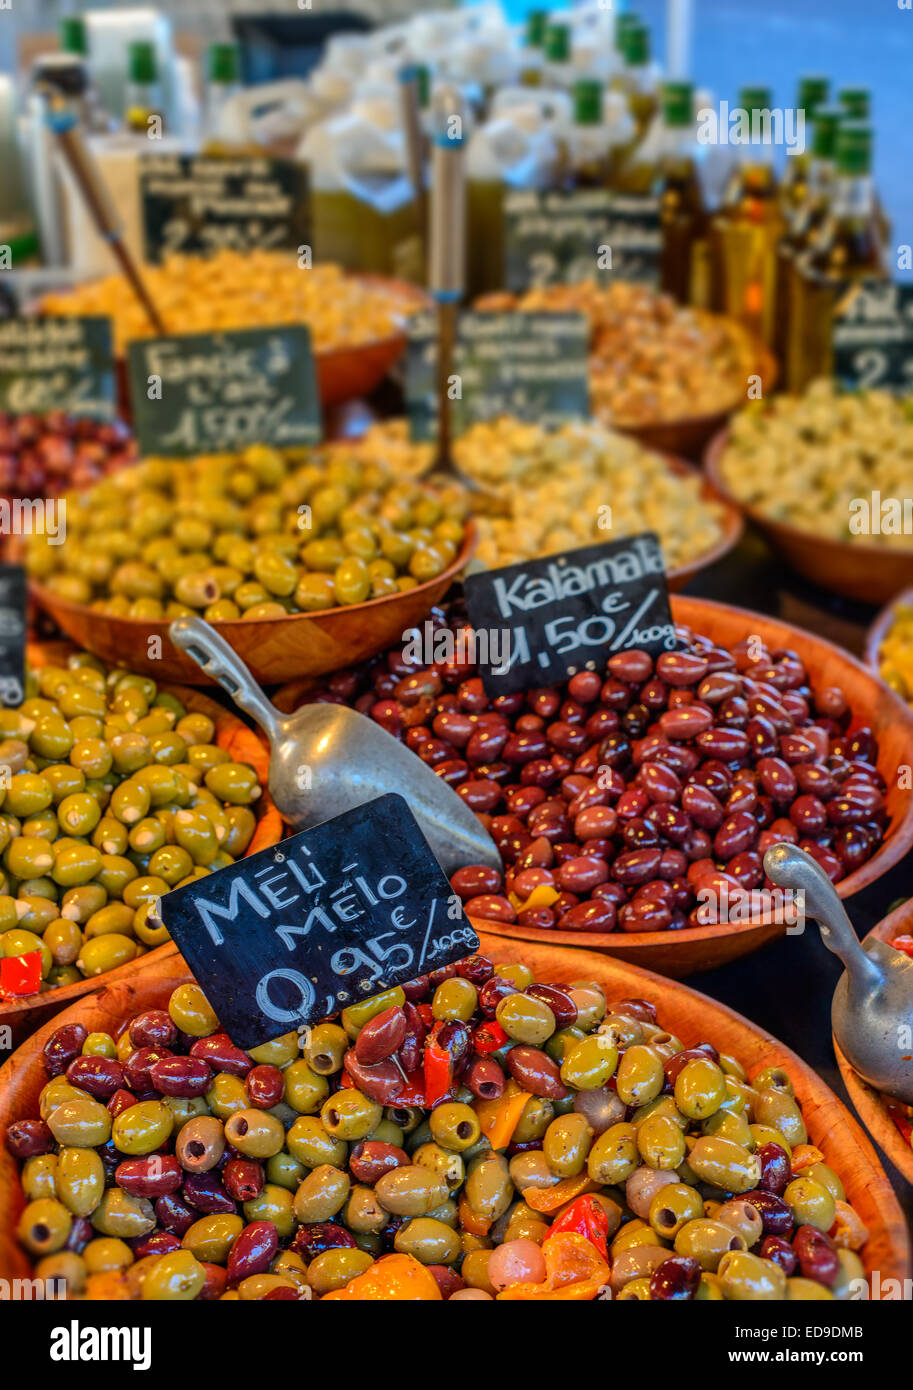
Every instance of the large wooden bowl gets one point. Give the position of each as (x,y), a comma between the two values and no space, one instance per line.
(24,1015)
(692,1017)
(274,649)
(871,1105)
(681,953)
(868,573)
(688,438)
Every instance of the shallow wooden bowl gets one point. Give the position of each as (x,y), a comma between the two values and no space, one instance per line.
(682,953)
(880,628)
(732,526)
(871,1105)
(245,746)
(347,373)
(691,1016)
(689,438)
(274,649)
(867,573)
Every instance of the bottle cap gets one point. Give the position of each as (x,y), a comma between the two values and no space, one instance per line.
(825,125)
(223,62)
(73,37)
(536,22)
(587,102)
(754,98)
(636,47)
(856,102)
(854,148)
(678,103)
(142,62)
(813,92)
(558,43)
(624,22)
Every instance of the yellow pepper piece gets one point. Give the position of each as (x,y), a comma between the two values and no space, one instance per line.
(543,896)
(391,1279)
(548,1199)
(499,1118)
(804,1155)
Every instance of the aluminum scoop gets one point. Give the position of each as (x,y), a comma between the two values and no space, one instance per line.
(872,1009)
(326,759)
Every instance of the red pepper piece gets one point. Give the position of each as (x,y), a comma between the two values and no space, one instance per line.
(20,975)
(488,1037)
(903,943)
(426,1014)
(585,1217)
(413,1090)
(438,1068)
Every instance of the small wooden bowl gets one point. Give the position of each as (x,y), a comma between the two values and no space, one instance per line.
(24,1015)
(689,438)
(348,373)
(691,1016)
(880,629)
(682,953)
(871,1106)
(867,573)
(274,649)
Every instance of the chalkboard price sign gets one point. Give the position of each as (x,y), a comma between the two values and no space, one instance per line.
(207,392)
(568,613)
(560,237)
(13,632)
(209,203)
(531,366)
(872,337)
(57,364)
(293,934)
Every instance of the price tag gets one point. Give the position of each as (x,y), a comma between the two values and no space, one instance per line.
(562,237)
(13,634)
(209,392)
(293,934)
(872,337)
(207,203)
(531,366)
(569,613)
(57,364)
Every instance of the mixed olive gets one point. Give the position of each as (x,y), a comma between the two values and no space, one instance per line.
(634,795)
(111,794)
(42,455)
(256,535)
(469,1135)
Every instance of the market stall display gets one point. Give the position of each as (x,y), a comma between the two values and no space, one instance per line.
(614,802)
(584,1203)
(827,476)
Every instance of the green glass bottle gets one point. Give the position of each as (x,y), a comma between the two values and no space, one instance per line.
(144,94)
(848,247)
(813,93)
(804,224)
(73,36)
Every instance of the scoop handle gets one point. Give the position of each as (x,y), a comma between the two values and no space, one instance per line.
(790,867)
(213,655)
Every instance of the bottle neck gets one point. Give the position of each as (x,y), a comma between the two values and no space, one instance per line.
(854,196)
(820,175)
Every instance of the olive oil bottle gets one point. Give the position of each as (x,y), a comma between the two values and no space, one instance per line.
(803,224)
(636,78)
(856,103)
(848,247)
(144,93)
(532,58)
(812,94)
(558,69)
(745,233)
(590,163)
(672,177)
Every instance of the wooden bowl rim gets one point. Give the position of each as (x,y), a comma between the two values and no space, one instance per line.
(268,832)
(871,1106)
(731,526)
(829,1119)
(795,534)
(159,626)
(880,627)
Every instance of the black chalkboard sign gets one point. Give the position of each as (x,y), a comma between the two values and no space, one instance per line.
(555,237)
(634,234)
(872,337)
(293,934)
(531,366)
(570,612)
(13,633)
(57,364)
(207,203)
(207,392)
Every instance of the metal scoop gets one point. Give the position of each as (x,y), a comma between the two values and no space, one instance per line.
(872,1009)
(326,759)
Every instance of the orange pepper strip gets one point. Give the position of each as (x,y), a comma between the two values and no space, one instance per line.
(391,1279)
(548,1199)
(471,1221)
(575,1271)
(804,1155)
(499,1118)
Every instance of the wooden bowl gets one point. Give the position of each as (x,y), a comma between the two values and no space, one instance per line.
(274,649)
(689,438)
(732,527)
(347,373)
(868,573)
(24,1015)
(871,1106)
(692,1016)
(682,953)
(880,629)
